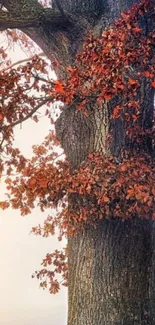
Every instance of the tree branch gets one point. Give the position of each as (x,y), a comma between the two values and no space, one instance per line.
(57,32)
(20,62)
(20,7)
(7,20)
(35,109)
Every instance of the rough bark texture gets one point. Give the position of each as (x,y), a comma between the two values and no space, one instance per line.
(112,266)
(79,135)
(110,274)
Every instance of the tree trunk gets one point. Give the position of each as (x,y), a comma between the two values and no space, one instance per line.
(111,267)
(110,275)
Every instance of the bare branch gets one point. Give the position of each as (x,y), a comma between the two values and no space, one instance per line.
(20,62)
(38,78)
(1,143)
(35,109)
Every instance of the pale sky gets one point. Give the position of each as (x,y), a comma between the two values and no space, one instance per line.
(22,302)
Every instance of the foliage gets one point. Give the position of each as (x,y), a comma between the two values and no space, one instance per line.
(113,66)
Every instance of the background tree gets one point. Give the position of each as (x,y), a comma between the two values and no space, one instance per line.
(107,131)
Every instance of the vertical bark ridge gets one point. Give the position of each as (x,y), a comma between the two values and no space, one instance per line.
(109,281)
(80,135)
(101,129)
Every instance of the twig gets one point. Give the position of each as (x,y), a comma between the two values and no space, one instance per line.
(21,61)
(37,77)
(25,118)
(31,113)
(2,142)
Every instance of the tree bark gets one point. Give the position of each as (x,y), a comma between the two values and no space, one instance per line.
(111,267)
(110,273)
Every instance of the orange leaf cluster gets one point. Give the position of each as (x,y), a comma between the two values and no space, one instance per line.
(113,65)
(59,265)
(101,188)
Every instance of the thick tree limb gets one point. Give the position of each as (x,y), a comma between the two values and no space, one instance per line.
(55,19)
(7,21)
(56,32)
(20,7)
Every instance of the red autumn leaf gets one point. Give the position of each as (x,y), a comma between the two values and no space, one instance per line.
(125,16)
(137,29)
(107,96)
(130,193)
(153,84)
(147,74)
(153,190)
(71,69)
(133,82)
(116,112)
(4,205)
(123,168)
(1,117)
(59,87)
(105,199)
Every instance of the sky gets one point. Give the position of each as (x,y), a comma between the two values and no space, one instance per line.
(22,302)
